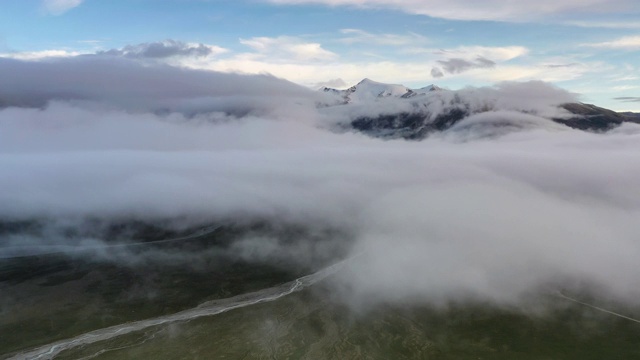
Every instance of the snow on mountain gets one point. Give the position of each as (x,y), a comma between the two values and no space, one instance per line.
(422,91)
(396,111)
(369,90)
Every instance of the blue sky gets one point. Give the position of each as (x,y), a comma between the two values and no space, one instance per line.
(591,47)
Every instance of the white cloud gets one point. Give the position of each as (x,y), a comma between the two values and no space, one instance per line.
(490,68)
(604,24)
(432,220)
(353,36)
(626,43)
(288,47)
(625,87)
(311,64)
(333,83)
(59,7)
(495,53)
(412,73)
(38,55)
(541,72)
(312,74)
(504,10)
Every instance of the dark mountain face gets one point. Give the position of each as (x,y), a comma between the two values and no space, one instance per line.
(635,117)
(593,118)
(410,126)
(417,126)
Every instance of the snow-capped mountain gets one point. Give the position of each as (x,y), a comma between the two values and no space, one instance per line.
(396,111)
(368,90)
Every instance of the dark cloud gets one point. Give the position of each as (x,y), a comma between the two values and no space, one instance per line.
(459,65)
(484,62)
(628,99)
(436,73)
(127,84)
(160,50)
(555,66)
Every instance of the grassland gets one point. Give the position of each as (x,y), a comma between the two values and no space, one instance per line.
(53,297)
(307,325)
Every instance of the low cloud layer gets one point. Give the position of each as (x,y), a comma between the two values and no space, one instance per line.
(125,84)
(164,49)
(444,218)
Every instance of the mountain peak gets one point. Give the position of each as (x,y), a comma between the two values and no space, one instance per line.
(431,87)
(370,90)
(367,81)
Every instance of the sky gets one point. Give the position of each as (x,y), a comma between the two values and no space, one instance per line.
(588,47)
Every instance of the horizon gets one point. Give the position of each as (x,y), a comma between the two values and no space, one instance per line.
(588,49)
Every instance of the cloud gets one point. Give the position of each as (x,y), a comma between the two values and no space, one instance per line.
(38,55)
(354,36)
(614,24)
(415,73)
(501,10)
(457,65)
(59,7)
(288,47)
(165,49)
(512,72)
(449,245)
(625,43)
(625,87)
(628,99)
(128,84)
(555,66)
(411,70)
(436,73)
(333,83)
(464,58)
(535,98)
(452,217)
(309,63)
(498,53)
(311,73)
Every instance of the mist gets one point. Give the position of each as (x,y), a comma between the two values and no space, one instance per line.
(498,205)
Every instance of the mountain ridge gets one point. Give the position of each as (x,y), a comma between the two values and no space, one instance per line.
(368,89)
(416,113)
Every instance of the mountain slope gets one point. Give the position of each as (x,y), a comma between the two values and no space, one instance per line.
(395,111)
(369,90)
(591,117)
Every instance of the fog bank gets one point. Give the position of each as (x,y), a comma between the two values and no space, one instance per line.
(458,214)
